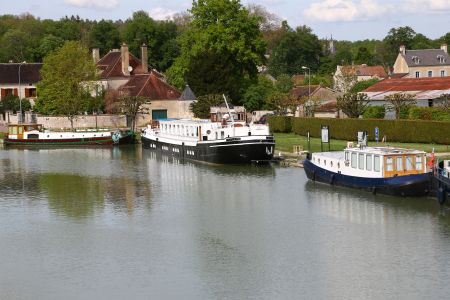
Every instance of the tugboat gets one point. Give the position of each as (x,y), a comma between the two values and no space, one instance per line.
(34,135)
(386,170)
(226,142)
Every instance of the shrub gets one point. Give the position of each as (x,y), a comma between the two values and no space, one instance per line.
(405,131)
(374,112)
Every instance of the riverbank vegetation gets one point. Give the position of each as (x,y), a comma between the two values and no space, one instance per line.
(401,131)
(285,142)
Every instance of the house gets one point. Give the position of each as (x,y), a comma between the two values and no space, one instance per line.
(426,90)
(346,76)
(121,71)
(19,79)
(422,63)
(319,96)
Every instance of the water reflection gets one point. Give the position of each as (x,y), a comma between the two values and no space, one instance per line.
(76,182)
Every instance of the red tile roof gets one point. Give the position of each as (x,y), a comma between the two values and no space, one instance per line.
(363,70)
(151,86)
(411,84)
(303,91)
(111,65)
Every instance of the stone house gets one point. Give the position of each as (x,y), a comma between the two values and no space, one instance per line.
(422,63)
(23,86)
(346,76)
(320,96)
(121,71)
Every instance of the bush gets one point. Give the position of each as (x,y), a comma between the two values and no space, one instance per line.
(429,113)
(374,112)
(405,131)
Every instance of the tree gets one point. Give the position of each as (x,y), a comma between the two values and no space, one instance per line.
(256,96)
(296,48)
(224,32)
(352,104)
(131,106)
(399,103)
(12,102)
(444,102)
(159,36)
(363,56)
(202,107)
(284,83)
(397,37)
(363,84)
(105,36)
(66,76)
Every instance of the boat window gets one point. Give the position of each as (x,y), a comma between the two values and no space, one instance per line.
(361,161)
(354,162)
(217,136)
(409,163)
(399,163)
(222,134)
(325,162)
(331,164)
(418,162)
(346,155)
(20,130)
(376,163)
(389,164)
(339,165)
(369,162)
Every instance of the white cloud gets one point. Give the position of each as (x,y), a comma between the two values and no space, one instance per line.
(106,4)
(345,10)
(426,6)
(161,13)
(363,10)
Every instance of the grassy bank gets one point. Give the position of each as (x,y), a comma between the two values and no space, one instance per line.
(285,142)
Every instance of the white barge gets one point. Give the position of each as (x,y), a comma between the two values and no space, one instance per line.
(213,142)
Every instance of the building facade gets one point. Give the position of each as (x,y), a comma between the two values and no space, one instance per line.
(422,63)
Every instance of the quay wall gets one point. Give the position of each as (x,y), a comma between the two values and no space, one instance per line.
(81,121)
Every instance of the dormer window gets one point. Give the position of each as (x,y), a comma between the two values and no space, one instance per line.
(441,59)
(415,59)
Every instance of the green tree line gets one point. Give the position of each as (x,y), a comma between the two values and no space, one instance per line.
(217,47)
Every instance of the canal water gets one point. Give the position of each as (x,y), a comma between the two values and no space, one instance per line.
(123,223)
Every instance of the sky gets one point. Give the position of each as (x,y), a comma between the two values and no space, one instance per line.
(342,19)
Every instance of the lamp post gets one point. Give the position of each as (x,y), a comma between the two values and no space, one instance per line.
(309,87)
(20,96)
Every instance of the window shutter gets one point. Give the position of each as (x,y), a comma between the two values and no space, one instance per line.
(27,93)
(3,93)
(16,92)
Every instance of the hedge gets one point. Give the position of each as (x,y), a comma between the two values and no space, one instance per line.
(404,131)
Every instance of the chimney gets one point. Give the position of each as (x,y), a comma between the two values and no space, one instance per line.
(144,58)
(125,59)
(96,55)
(402,49)
(444,47)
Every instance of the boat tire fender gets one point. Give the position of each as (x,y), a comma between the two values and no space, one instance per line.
(374,190)
(332,179)
(314,175)
(441,195)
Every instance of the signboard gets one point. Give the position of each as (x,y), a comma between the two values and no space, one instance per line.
(377,134)
(324,134)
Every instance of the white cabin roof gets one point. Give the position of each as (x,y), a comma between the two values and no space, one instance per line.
(385,150)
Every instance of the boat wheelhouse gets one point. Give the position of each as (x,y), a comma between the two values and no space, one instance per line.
(387,170)
(34,135)
(214,142)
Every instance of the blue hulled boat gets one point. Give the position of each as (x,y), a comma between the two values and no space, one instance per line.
(386,170)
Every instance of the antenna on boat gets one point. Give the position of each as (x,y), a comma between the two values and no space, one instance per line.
(229,111)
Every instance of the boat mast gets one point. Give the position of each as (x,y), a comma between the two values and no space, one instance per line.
(229,111)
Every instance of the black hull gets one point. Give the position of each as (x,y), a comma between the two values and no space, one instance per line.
(228,152)
(405,186)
